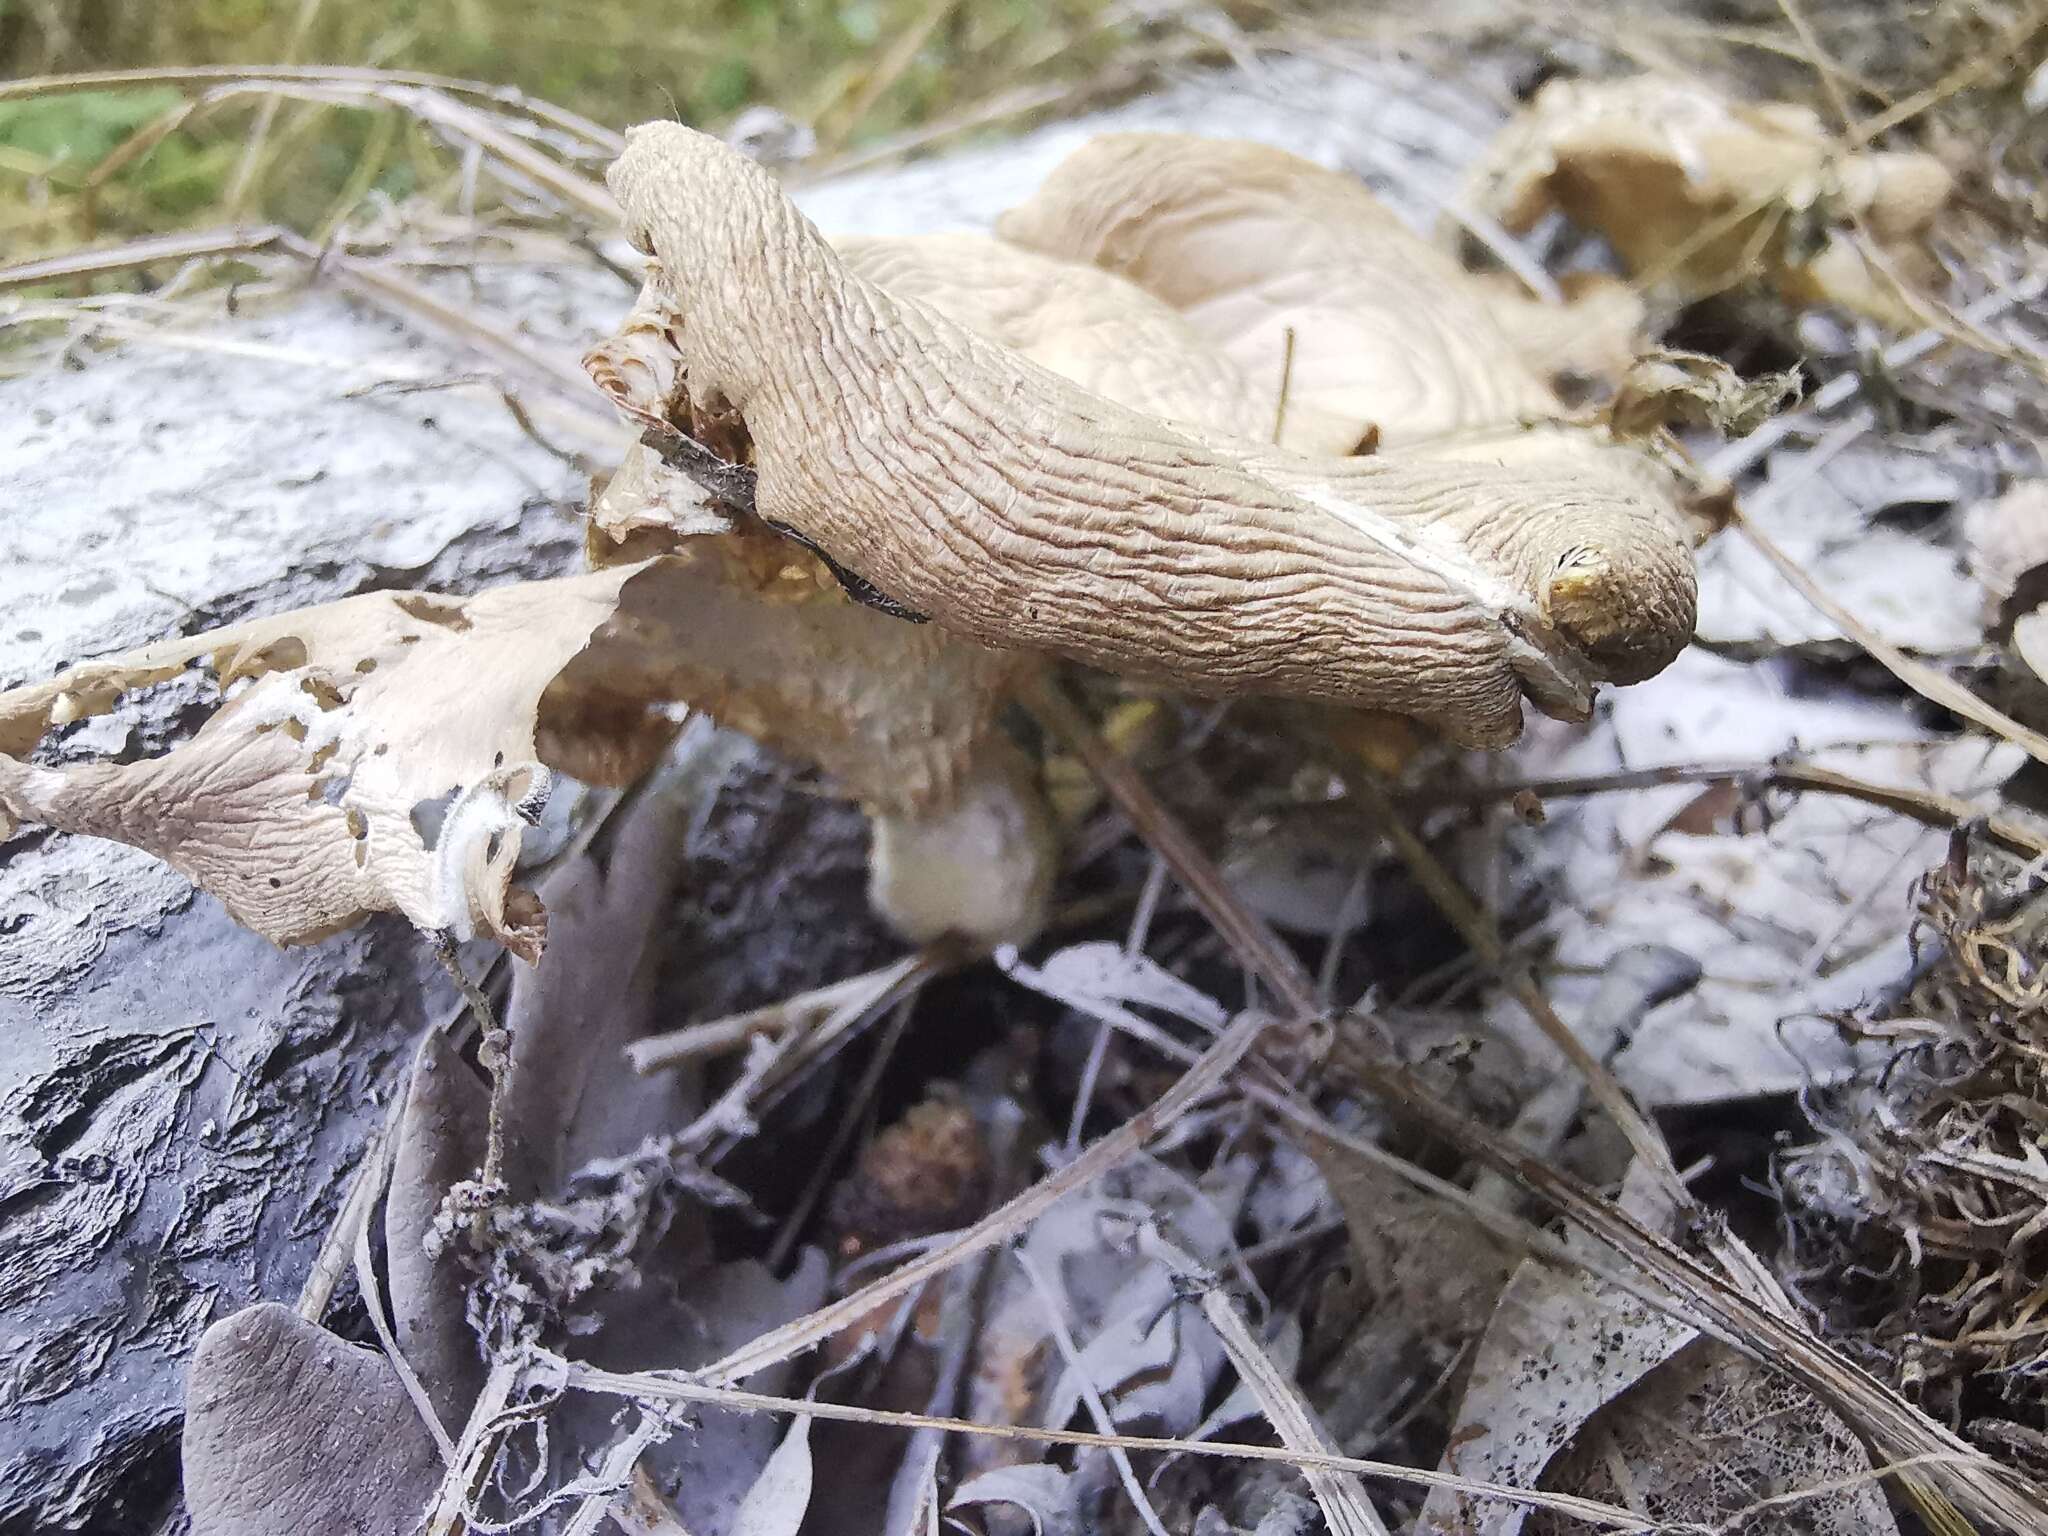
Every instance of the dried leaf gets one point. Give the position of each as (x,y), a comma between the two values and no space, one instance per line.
(1049,1496)
(775,1505)
(1709,1436)
(1560,1346)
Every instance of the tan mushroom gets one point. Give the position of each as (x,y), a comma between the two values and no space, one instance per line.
(1251,243)
(384,753)
(1019,510)
(1258,246)
(1702,193)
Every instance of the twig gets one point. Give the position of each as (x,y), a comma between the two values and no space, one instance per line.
(1247,935)
(1484,939)
(1091,1394)
(850,1116)
(198,246)
(1007,1220)
(665,1386)
(871,991)
(1347,1510)
(1929,807)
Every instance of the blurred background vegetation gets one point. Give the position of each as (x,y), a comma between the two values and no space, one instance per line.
(856,70)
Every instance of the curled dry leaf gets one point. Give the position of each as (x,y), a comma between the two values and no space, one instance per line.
(1704,193)
(1021,511)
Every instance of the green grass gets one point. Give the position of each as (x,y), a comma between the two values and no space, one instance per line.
(857,69)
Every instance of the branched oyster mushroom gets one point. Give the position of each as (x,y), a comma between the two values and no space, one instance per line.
(835,443)
(369,755)
(1701,192)
(1107,335)
(1013,507)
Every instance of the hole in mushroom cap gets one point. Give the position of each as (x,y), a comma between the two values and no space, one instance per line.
(427,816)
(430,608)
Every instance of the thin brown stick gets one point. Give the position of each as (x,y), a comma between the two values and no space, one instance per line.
(1929,807)
(1484,939)
(1247,935)
(1007,1220)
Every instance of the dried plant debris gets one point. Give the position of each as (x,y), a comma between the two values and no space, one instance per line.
(1867,518)
(590,1242)
(1913,1220)
(1698,193)
(1211,419)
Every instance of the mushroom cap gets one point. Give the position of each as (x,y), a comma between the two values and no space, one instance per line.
(1104,333)
(1014,507)
(1253,244)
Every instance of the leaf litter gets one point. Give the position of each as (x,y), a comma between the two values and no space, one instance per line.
(1212,1264)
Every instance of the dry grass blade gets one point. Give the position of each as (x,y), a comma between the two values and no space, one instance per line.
(1091,1393)
(201,245)
(1479,932)
(1341,1496)
(1935,686)
(594,136)
(1732,459)
(868,993)
(661,1386)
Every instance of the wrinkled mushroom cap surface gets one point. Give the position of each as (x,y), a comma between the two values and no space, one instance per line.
(1250,243)
(1014,507)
